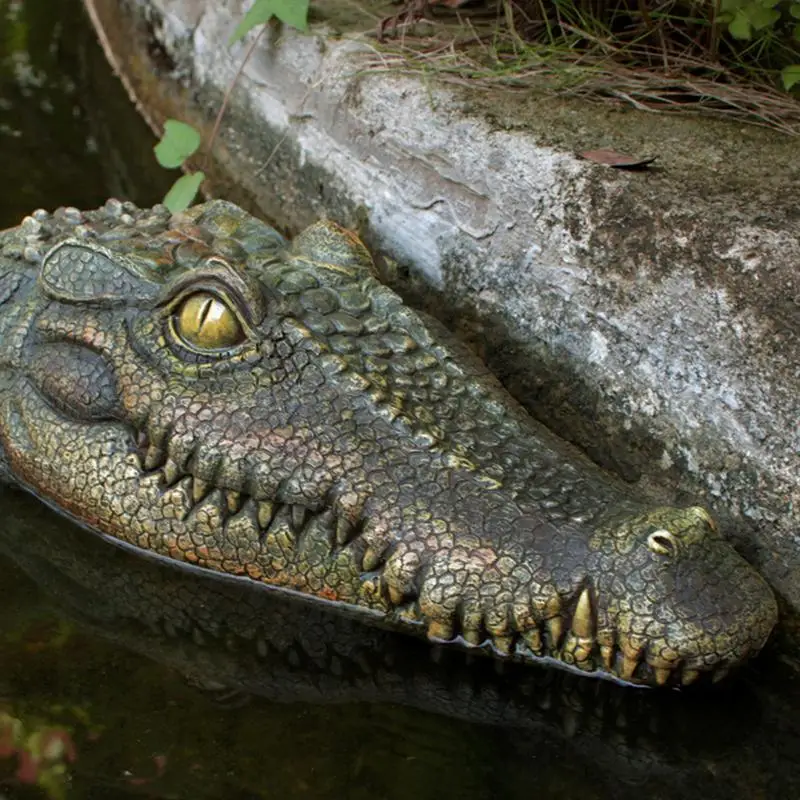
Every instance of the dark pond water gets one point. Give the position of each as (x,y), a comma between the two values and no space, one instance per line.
(170,684)
(68,133)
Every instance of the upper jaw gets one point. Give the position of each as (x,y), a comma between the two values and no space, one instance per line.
(595,641)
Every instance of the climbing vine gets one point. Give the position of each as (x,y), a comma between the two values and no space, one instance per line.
(181,141)
(730,37)
(748,18)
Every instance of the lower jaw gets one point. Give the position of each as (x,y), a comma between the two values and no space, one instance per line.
(643,676)
(581,655)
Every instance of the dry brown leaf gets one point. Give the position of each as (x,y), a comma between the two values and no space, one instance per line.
(412,11)
(611,158)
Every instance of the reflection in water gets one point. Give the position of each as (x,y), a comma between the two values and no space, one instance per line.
(59,145)
(339,710)
(403,721)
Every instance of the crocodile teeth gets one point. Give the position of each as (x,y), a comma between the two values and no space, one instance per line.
(440,630)
(372,559)
(472,636)
(555,627)
(661,675)
(607,654)
(533,638)
(200,489)
(629,664)
(579,642)
(266,511)
(345,530)
(154,457)
(503,644)
(689,676)
(396,597)
(583,620)
(233,500)
(632,651)
(171,472)
(298,517)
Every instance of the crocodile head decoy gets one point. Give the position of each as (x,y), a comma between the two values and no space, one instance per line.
(200,389)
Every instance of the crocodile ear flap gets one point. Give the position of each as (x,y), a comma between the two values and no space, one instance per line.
(336,250)
(75,272)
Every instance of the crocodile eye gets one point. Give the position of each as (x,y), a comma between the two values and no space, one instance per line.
(662,542)
(205,322)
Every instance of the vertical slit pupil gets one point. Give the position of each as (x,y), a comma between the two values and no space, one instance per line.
(205,310)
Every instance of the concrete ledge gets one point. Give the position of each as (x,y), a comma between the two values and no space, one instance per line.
(652,318)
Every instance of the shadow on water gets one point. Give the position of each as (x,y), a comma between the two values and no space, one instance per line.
(149,666)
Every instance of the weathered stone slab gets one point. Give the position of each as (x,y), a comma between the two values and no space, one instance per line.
(651,318)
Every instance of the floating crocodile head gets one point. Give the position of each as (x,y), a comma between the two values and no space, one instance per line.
(196,388)
(666,584)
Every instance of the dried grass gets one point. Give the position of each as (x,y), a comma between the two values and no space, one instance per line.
(648,54)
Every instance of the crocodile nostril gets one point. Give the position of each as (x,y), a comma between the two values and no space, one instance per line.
(662,542)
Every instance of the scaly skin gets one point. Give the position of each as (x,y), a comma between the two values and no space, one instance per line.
(201,390)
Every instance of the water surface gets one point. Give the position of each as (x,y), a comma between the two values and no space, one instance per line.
(172,684)
(68,134)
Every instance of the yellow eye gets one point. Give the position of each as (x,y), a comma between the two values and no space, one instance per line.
(204,322)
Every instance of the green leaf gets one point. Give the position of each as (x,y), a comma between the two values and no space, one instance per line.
(290,12)
(797,32)
(790,76)
(762,17)
(740,27)
(794,10)
(731,5)
(177,144)
(183,191)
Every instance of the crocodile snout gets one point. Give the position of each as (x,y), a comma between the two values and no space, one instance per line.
(654,597)
(675,599)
